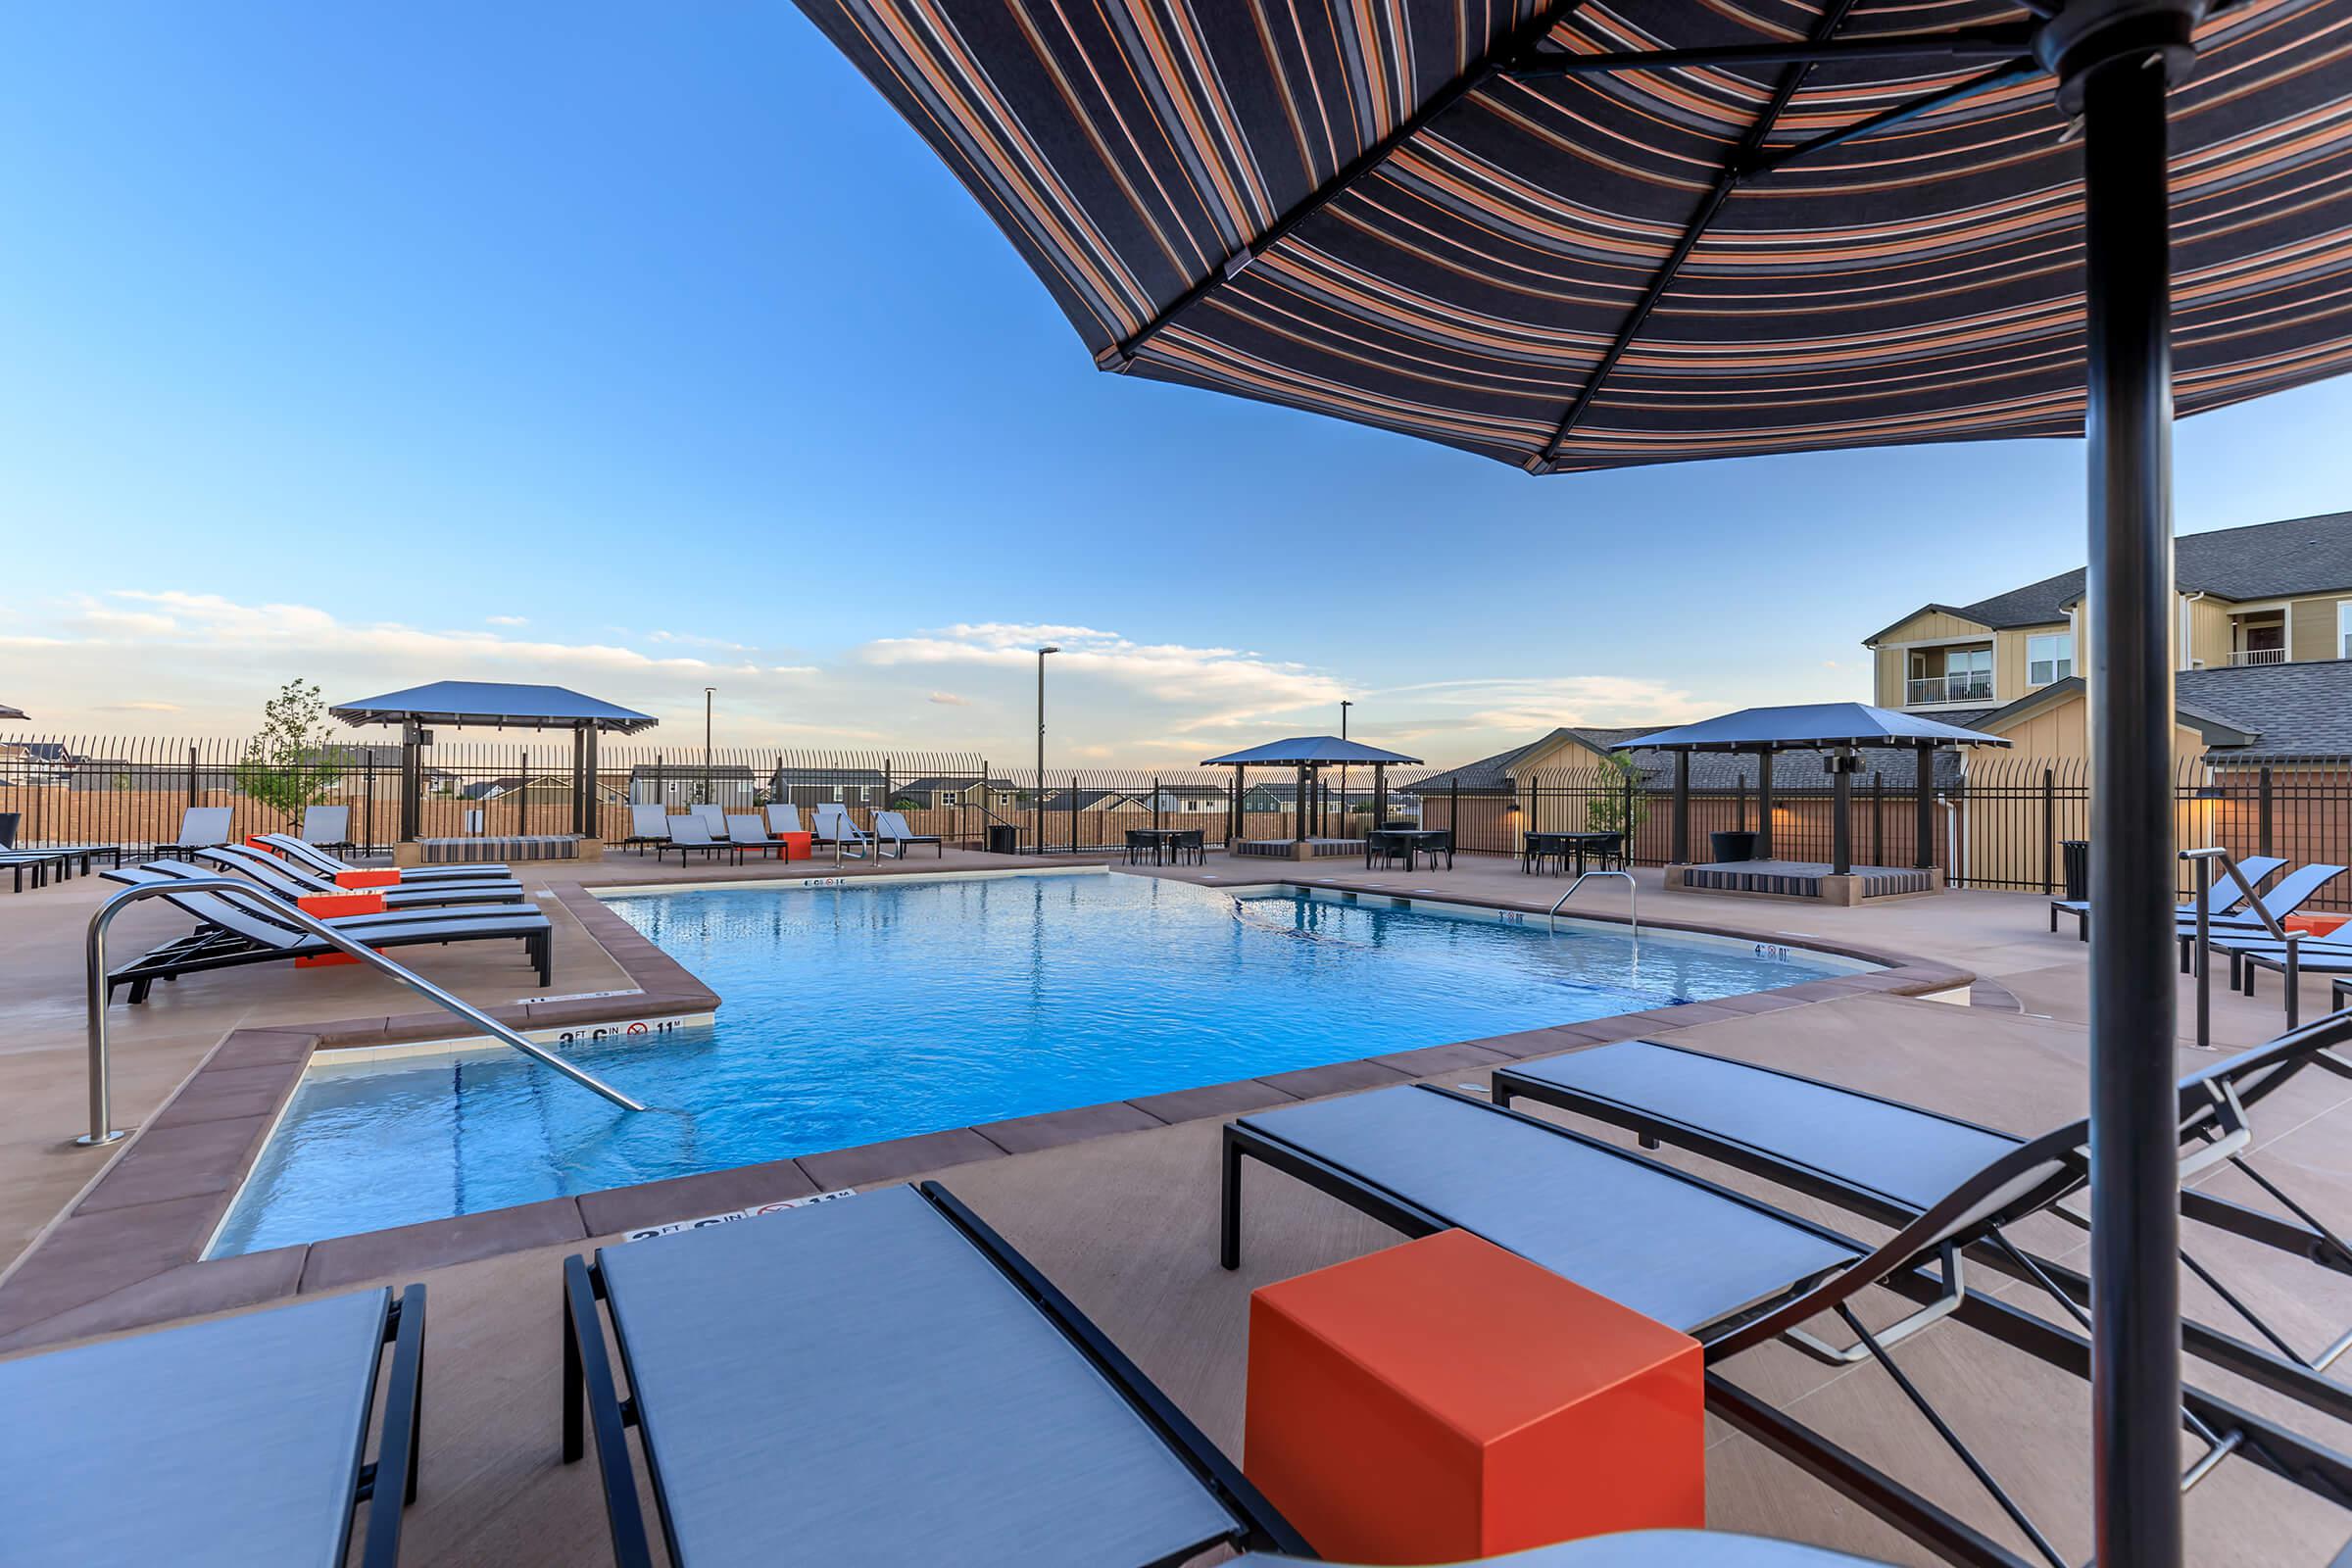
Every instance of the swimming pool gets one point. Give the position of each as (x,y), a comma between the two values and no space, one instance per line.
(889,1007)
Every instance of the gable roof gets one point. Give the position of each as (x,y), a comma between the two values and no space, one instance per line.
(493,705)
(1806,726)
(2288,710)
(2263,560)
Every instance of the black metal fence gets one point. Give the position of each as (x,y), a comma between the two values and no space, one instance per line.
(134,792)
(2001,823)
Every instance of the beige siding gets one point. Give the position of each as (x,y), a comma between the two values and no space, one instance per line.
(2208,633)
(2009,661)
(1929,625)
(2059,732)
(1566,753)
(2313,634)
(1890,677)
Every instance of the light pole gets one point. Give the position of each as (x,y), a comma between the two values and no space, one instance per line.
(1345,705)
(1041,745)
(708,798)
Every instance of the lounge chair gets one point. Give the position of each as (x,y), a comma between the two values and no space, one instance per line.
(715,817)
(315,858)
(834,825)
(648,825)
(1726,1269)
(748,831)
(329,827)
(2292,892)
(934,1400)
(1888,1161)
(889,827)
(2220,898)
(291,882)
(35,863)
(237,1441)
(201,828)
(691,835)
(234,930)
(783,817)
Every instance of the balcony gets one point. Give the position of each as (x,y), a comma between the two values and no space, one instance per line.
(1970,686)
(2258,656)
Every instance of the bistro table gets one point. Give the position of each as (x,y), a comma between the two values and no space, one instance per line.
(1563,844)
(1161,840)
(1416,841)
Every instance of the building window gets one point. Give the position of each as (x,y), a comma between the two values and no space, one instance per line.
(2049,658)
(2343,628)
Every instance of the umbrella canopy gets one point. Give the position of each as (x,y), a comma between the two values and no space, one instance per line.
(1477,226)
(1307,751)
(493,705)
(7,711)
(1806,726)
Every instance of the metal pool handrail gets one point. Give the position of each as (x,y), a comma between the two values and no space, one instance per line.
(94,958)
(1633,900)
(2204,859)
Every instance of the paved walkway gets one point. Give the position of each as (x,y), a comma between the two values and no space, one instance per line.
(1126,1223)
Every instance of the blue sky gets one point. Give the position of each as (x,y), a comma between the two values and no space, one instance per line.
(642,348)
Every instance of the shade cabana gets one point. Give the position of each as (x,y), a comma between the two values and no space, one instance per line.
(494,705)
(1571,235)
(1309,755)
(7,711)
(1840,730)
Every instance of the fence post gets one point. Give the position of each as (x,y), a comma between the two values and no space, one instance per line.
(1073,814)
(193,798)
(2265,818)
(1453,812)
(1625,820)
(1878,817)
(2050,823)
(1156,803)
(367,801)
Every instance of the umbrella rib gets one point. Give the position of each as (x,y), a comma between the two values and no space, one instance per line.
(1984,44)
(1999,77)
(1517,47)
(1726,181)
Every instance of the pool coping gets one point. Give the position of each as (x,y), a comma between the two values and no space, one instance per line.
(127,1250)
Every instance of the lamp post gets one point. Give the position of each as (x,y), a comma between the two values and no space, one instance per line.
(1040,747)
(708,798)
(1345,705)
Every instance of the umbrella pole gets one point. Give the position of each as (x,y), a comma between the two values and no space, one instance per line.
(2135,1304)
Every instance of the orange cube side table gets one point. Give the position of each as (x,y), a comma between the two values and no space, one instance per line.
(1446,1399)
(368,879)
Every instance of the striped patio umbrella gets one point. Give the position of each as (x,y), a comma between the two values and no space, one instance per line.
(1577,234)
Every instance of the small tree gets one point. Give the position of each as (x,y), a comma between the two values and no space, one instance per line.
(291,765)
(1618,804)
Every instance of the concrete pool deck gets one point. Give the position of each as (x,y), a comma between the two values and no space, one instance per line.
(1124,1219)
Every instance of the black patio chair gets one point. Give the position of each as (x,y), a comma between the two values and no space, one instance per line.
(970,1412)
(241,1439)
(237,929)
(1887,1161)
(1729,1271)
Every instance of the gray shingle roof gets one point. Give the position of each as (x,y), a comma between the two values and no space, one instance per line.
(2264,560)
(1710,770)
(2291,709)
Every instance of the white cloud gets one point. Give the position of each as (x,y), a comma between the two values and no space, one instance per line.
(506,620)
(141,708)
(1220,686)
(948,699)
(1533,705)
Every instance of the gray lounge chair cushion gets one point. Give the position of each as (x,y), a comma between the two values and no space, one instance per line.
(204,824)
(326,824)
(1651,1549)
(1626,1227)
(1904,1154)
(692,831)
(232,1442)
(856,1383)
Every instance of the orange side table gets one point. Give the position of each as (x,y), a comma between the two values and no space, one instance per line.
(1447,1399)
(797,846)
(325,907)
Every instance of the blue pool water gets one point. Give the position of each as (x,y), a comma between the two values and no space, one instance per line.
(883,1008)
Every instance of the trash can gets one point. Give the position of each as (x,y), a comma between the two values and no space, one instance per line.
(2076,855)
(1734,845)
(1003,839)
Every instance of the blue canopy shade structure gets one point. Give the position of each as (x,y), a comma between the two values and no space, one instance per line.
(1809,726)
(7,711)
(493,704)
(1839,728)
(1308,751)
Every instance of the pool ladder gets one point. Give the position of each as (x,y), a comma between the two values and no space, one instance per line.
(1633,900)
(237,891)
